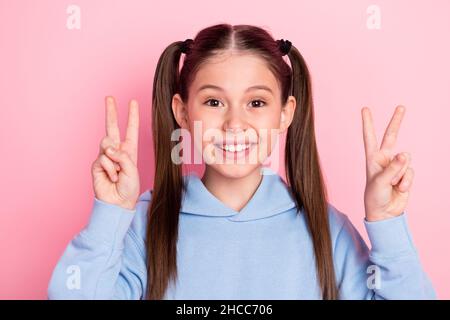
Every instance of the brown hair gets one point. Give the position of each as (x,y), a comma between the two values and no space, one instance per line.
(301,157)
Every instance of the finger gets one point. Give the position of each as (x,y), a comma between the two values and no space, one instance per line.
(133,123)
(370,139)
(393,168)
(105,143)
(122,158)
(390,135)
(108,166)
(132,134)
(112,126)
(404,168)
(406,182)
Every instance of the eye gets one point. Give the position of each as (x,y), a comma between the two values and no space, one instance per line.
(259,103)
(215,100)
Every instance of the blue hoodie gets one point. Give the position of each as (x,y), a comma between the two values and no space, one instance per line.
(263,251)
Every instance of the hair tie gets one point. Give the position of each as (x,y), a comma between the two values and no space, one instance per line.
(285,46)
(186,45)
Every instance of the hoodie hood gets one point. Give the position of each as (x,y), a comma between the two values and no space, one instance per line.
(273,196)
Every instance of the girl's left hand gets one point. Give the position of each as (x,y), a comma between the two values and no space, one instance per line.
(388,178)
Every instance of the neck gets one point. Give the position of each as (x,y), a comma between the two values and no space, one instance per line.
(233,192)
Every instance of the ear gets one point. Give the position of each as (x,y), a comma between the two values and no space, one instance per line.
(179,110)
(287,114)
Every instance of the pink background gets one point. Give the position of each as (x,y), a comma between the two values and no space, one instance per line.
(53,81)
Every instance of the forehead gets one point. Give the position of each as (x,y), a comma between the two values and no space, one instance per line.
(235,73)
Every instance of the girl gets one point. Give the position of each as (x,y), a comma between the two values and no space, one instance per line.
(236,233)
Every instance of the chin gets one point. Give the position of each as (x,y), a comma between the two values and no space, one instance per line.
(235,171)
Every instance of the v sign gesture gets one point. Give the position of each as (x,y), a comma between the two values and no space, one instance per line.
(115,174)
(388,178)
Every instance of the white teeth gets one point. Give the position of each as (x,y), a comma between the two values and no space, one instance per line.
(235,147)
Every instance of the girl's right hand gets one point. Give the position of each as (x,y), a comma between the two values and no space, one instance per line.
(115,176)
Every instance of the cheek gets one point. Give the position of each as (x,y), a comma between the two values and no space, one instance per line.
(205,118)
(271,121)
(202,131)
(268,122)
(268,126)
(268,117)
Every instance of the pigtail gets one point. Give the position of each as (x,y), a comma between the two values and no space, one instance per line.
(304,174)
(163,212)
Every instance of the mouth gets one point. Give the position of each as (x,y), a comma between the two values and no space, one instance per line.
(234,148)
(235,151)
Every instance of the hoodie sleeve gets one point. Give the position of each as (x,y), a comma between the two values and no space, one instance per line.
(106,260)
(390,270)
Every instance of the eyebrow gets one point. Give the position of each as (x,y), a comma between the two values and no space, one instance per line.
(256,87)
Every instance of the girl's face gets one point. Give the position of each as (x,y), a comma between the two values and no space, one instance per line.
(235,105)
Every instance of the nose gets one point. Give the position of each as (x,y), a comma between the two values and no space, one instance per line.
(235,121)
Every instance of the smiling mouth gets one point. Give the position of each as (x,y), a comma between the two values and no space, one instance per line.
(234,148)
(235,152)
